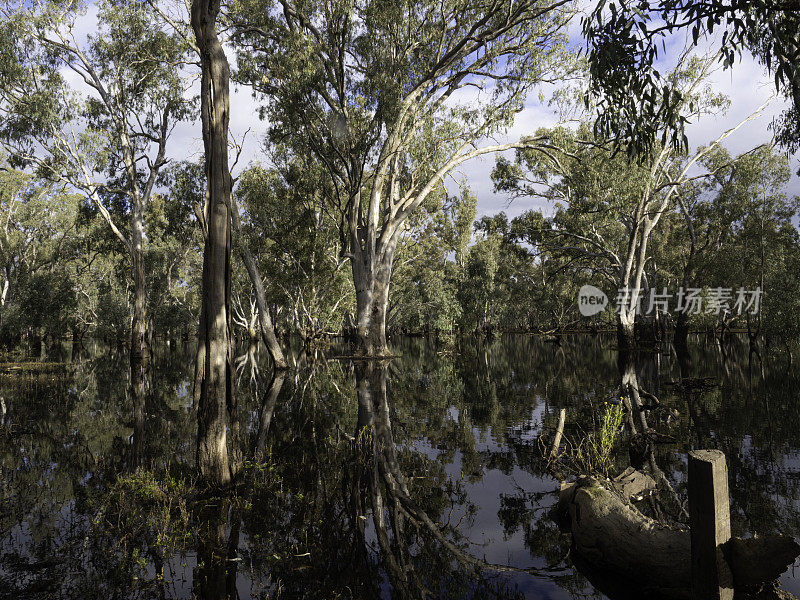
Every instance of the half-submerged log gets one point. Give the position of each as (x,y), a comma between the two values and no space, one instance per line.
(614,538)
(633,485)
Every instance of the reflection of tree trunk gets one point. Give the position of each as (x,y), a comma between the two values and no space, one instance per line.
(388,491)
(210,579)
(137,393)
(232,563)
(139,351)
(267,410)
(213,378)
(140,355)
(629,390)
(371,391)
(139,361)
(641,445)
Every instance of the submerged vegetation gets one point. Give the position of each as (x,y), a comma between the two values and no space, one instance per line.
(304,514)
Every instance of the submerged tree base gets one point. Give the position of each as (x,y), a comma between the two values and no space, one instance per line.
(632,555)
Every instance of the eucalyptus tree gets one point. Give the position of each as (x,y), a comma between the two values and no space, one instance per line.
(20,231)
(213,385)
(743,228)
(429,271)
(94,112)
(390,97)
(38,229)
(608,206)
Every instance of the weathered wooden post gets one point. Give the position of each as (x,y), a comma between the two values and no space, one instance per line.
(710,522)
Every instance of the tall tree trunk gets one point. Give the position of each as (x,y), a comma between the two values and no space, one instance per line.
(364,289)
(137,443)
(380,304)
(213,378)
(139,352)
(626,334)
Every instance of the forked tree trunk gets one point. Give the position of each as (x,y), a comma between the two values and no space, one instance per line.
(372,301)
(213,377)
(265,321)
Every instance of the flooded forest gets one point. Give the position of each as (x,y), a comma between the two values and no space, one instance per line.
(355,299)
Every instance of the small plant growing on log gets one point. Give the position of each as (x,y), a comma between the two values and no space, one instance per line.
(597,448)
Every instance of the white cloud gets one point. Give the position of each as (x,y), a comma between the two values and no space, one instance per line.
(746,84)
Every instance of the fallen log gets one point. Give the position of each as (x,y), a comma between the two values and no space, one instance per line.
(613,538)
(633,485)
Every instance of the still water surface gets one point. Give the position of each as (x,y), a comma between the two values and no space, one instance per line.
(97,503)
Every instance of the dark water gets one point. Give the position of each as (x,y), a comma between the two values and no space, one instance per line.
(96,503)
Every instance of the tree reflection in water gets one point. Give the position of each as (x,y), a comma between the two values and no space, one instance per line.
(394,479)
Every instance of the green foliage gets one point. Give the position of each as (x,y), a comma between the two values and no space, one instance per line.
(598,446)
(143,517)
(744,236)
(431,260)
(298,245)
(627,39)
(92,114)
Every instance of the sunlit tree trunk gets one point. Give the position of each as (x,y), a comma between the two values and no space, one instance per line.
(372,280)
(213,379)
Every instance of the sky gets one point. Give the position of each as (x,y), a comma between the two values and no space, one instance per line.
(746,84)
